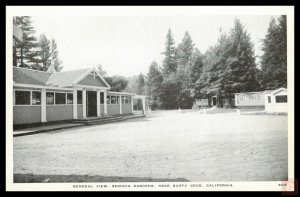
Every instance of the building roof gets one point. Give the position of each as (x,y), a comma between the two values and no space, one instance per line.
(29,76)
(278,91)
(261,92)
(60,79)
(65,78)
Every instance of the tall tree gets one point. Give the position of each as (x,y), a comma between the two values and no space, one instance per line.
(274,58)
(170,89)
(154,83)
(44,52)
(141,84)
(241,63)
(170,62)
(197,80)
(117,83)
(185,50)
(25,51)
(54,56)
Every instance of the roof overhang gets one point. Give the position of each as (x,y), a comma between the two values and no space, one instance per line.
(40,86)
(278,90)
(121,93)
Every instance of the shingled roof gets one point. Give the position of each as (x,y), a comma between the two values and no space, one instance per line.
(29,76)
(65,78)
(34,77)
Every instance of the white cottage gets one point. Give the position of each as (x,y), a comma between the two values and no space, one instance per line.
(276,101)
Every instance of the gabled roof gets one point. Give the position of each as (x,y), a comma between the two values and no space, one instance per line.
(60,79)
(29,76)
(65,78)
(279,90)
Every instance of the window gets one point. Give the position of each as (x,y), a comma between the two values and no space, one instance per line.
(113,100)
(49,98)
(269,99)
(60,98)
(108,99)
(36,98)
(281,99)
(22,97)
(129,99)
(241,97)
(69,98)
(79,97)
(101,97)
(126,100)
(123,99)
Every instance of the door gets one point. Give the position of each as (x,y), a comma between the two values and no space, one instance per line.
(214,101)
(91,103)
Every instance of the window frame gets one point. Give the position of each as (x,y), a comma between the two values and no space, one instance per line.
(77,97)
(281,96)
(111,99)
(65,98)
(108,101)
(40,91)
(30,99)
(53,98)
(102,100)
(69,93)
(269,99)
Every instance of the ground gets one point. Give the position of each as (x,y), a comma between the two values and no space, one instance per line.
(165,146)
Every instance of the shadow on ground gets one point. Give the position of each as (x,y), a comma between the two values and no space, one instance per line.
(31,178)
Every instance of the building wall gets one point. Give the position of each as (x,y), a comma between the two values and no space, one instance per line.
(251,108)
(273,106)
(249,99)
(26,114)
(79,111)
(113,109)
(59,112)
(126,108)
(277,107)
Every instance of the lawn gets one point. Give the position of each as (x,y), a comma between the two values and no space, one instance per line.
(165,146)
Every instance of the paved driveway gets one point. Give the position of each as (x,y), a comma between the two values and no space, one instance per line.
(167,145)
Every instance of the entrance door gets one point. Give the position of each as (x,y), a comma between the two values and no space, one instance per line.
(91,103)
(214,99)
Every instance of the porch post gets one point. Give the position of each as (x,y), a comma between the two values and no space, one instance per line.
(84,103)
(75,104)
(98,103)
(43,106)
(120,101)
(105,102)
(144,106)
(131,104)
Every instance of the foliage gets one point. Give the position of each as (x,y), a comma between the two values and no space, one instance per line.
(57,63)
(274,58)
(25,52)
(44,52)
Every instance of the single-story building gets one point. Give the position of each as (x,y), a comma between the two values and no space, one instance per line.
(258,101)
(276,101)
(40,96)
(199,103)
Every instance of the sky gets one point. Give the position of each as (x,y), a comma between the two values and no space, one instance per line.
(126,45)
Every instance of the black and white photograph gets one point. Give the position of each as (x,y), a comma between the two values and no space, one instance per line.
(158,98)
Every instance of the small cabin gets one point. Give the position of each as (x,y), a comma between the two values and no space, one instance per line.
(276,101)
